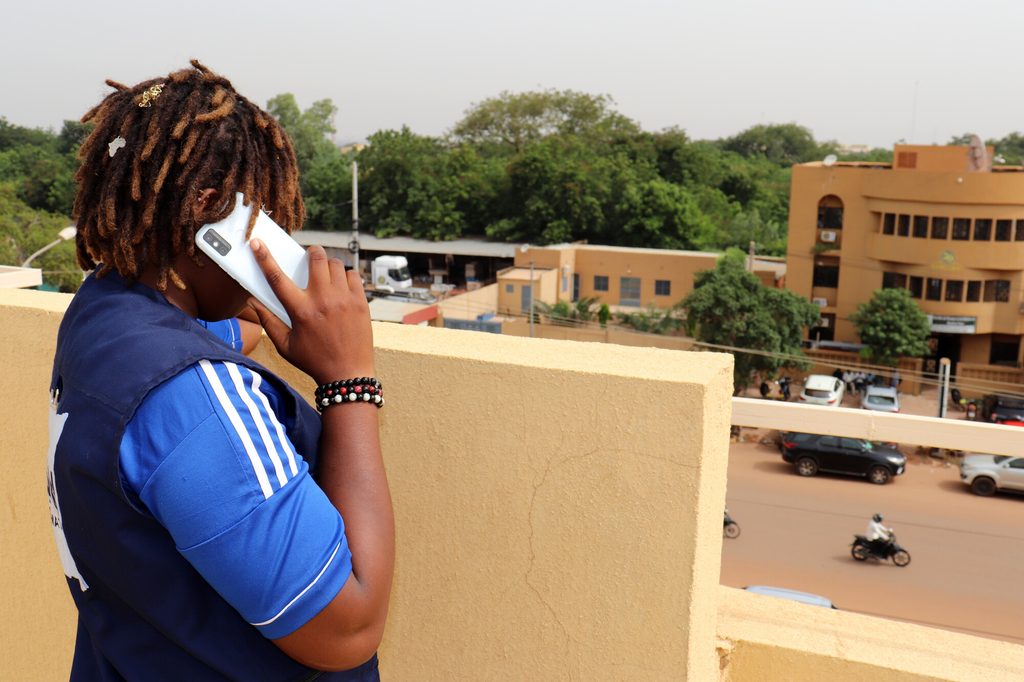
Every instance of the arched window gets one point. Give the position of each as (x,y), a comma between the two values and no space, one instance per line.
(830,213)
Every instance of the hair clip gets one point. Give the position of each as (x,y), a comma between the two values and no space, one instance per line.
(115,144)
(151,93)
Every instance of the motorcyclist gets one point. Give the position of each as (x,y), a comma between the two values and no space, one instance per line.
(878,535)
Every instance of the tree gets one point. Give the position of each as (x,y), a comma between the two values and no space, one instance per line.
(891,326)
(23,230)
(652,321)
(730,307)
(782,144)
(567,313)
(511,121)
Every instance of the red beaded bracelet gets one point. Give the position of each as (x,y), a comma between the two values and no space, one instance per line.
(361,389)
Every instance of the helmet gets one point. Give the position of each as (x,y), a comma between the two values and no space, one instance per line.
(877,518)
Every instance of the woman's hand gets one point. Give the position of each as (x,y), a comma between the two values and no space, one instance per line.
(331,337)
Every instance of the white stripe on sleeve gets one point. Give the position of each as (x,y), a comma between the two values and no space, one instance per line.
(236,421)
(307,588)
(257,381)
(257,418)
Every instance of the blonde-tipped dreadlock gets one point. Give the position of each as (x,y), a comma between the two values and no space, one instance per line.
(137,196)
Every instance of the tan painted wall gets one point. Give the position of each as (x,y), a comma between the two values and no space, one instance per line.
(765,638)
(468,305)
(549,524)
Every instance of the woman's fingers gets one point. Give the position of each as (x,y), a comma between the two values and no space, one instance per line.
(283,287)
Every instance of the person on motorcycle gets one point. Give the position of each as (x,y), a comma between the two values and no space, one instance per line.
(880,536)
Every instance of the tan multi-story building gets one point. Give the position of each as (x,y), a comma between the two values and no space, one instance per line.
(619,276)
(938,221)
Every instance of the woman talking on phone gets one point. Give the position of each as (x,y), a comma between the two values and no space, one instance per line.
(211,524)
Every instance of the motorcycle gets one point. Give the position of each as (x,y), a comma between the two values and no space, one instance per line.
(862,549)
(731,529)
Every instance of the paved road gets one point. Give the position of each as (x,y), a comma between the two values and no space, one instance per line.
(967,551)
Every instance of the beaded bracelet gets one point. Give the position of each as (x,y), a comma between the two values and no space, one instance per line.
(361,389)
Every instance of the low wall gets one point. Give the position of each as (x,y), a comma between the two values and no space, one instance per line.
(608,334)
(556,519)
(975,380)
(766,639)
(826,362)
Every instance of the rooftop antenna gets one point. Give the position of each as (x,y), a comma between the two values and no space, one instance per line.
(829,161)
(977,156)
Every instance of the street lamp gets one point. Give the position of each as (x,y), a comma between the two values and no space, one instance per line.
(67,233)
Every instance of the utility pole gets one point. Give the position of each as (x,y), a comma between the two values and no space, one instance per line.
(353,245)
(944,367)
(531,297)
(750,256)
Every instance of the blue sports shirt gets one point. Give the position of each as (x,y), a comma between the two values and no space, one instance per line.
(206,455)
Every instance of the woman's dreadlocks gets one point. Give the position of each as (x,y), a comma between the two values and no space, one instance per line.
(154,148)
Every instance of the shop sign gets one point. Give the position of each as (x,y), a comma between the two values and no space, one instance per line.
(952,324)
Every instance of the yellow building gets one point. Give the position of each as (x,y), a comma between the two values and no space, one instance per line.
(938,221)
(622,277)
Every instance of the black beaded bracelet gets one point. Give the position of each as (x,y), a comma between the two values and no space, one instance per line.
(360,389)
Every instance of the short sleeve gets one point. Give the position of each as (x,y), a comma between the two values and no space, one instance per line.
(229,331)
(208,458)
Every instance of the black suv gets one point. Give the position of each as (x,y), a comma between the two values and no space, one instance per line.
(812,453)
(1003,410)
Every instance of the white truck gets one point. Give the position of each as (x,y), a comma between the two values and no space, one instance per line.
(390,277)
(390,272)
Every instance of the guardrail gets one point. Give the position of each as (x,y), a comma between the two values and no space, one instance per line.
(951,434)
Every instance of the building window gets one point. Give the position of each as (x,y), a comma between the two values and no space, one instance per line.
(662,287)
(1005,350)
(830,213)
(903,226)
(921,226)
(973,291)
(997,290)
(916,286)
(600,282)
(934,290)
(889,223)
(1003,230)
(906,160)
(961,228)
(510,288)
(629,291)
(954,290)
(826,273)
(1018,234)
(940,228)
(982,230)
(894,280)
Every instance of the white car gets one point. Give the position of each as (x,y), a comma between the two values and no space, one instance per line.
(986,474)
(823,389)
(880,399)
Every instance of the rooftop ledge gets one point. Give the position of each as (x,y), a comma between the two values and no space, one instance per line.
(558,511)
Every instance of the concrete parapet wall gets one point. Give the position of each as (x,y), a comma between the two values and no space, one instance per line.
(557,505)
(766,638)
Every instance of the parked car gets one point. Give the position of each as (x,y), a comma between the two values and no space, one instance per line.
(792,595)
(987,474)
(811,453)
(822,389)
(1002,409)
(880,399)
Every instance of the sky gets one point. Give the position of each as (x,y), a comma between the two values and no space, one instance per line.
(868,72)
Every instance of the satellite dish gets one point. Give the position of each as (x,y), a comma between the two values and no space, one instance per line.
(977,157)
(830,160)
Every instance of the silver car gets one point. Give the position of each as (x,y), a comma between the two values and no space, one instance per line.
(880,399)
(987,474)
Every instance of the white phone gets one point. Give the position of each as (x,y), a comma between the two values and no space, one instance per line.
(225,243)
